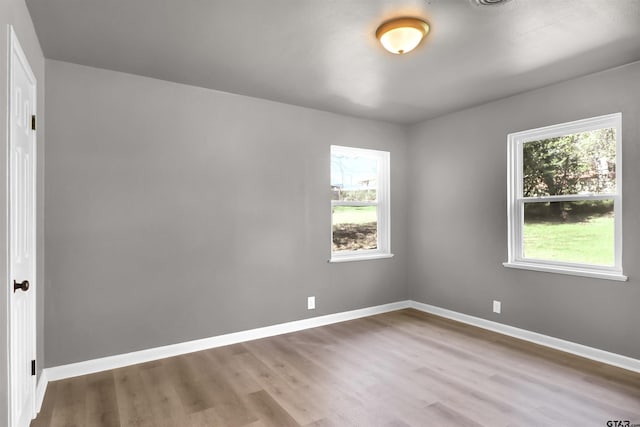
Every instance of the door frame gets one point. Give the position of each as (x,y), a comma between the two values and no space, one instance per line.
(13,46)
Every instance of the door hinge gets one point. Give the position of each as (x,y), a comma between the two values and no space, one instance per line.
(33,367)
(33,122)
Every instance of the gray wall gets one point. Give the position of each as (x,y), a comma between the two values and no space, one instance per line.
(176,213)
(14,12)
(458,222)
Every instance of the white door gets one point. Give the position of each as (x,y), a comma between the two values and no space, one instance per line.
(22,236)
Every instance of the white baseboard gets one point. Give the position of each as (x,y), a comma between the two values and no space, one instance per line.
(127,359)
(534,337)
(122,360)
(41,389)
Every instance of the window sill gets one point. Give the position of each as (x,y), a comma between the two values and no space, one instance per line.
(365,257)
(573,271)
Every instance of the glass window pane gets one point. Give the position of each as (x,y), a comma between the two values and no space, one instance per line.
(355,228)
(353,178)
(579,232)
(572,164)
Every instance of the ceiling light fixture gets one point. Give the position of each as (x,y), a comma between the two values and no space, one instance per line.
(488,2)
(402,35)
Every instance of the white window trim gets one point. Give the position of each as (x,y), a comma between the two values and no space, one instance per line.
(383,203)
(515,199)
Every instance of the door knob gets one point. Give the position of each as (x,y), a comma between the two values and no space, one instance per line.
(24,286)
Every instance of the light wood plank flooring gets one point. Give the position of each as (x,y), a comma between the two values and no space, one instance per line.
(404,368)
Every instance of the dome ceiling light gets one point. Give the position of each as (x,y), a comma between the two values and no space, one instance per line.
(488,2)
(402,35)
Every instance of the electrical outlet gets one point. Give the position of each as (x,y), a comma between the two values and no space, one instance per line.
(311,303)
(497,306)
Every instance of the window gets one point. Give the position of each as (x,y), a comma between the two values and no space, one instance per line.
(359,204)
(564,203)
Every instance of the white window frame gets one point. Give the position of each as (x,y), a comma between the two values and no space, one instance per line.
(383,206)
(516,200)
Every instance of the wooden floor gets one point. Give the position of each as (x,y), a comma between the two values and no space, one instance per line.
(404,368)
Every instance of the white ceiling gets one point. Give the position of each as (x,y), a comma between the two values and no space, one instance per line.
(323,53)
